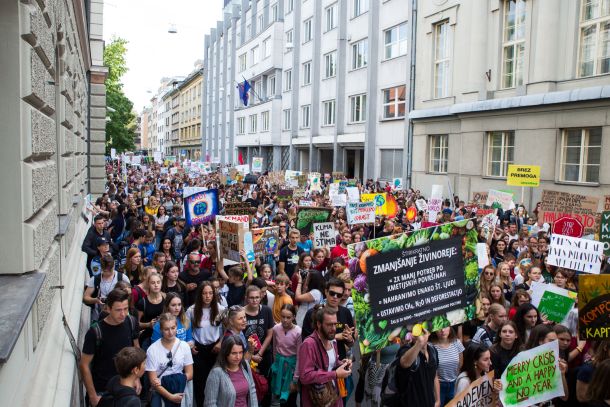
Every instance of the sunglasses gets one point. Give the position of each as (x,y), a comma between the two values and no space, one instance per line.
(169,356)
(335,294)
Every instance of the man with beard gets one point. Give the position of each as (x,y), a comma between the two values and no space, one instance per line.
(319,361)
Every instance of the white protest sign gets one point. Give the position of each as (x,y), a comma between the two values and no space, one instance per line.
(289,174)
(421,204)
(188,191)
(136,160)
(337,199)
(127,159)
(435,203)
(304,202)
(353,194)
(113,153)
(257,164)
(502,199)
(243,169)
(360,212)
(158,157)
(324,235)
(552,301)
(397,184)
(576,254)
(480,393)
(532,377)
(482,257)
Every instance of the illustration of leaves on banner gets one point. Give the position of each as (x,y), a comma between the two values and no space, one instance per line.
(427,276)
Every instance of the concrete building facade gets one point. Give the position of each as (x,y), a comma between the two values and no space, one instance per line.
(52,111)
(190,115)
(329,85)
(512,82)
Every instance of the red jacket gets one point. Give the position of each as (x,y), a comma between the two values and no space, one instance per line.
(308,369)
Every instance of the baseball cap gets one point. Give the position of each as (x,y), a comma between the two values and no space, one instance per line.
(100,241)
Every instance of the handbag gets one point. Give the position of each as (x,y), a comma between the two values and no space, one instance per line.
(262,385)
(325,394)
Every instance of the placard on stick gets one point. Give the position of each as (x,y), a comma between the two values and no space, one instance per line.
(324,235)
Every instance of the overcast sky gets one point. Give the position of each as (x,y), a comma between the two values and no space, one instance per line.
(152,52)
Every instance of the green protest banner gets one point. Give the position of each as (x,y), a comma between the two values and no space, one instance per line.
(532,377)
(307,216)
(552,301)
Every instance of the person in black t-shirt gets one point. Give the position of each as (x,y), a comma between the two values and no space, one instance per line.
(104,340)
(416,376)
(192,277)
(235,280)
(289,255)
(345,323)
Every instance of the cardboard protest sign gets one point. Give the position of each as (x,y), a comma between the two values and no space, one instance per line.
(576,254)
(231,238)
(314,182)
(306,217)
(500,199)
(201,207)
(302,180)
(480,393)
(360,212)
(257,164)
(532,377)
(324,235)
(552,301)
(479,198)
(237,208)
(604,232)
(523,175)
(284,195)
(244,219)
(265,240)
(425,276)
(380,201)
(353,194)
(555,204)
(594,306)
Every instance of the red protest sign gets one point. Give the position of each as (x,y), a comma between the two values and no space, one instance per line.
(568,226)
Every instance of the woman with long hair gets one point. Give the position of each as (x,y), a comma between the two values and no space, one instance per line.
(533,275)
(230,382)
(505,280)
(286,342)
(526,318)
(134,267)
(506,346)
(488,276)
(450,359)
(207,333)
(540,335)
(315,286)
(497,296)
(160,220)
(149,308)
(169,364)
(477,362)
(167,248)
(174,305)
(171,283)
(499,250)
(519,298)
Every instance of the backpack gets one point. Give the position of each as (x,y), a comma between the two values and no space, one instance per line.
(108,400)
(391,391)
(97,281)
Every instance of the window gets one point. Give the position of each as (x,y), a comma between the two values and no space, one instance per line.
(265,121)
(258,91)
(442,61)
(391,163)
(271,86)
(330,64)
(580,154)
(307,30)
(289,6)
(287,120)
(513,43)
(305,116)
(254,55)
(395,41)
(242,62)
(394,102)
(594,54)
(261,23)
(331,17)
(288,80)
(275,12)
(439,149)
(360,51)
(500,152)
(249,32)
(289,38)
(357,108)
(329,112)
(360,7)
(307,73)
(253,123)
(241,125)
(267,47)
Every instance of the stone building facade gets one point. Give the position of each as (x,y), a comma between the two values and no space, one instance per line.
(53,99)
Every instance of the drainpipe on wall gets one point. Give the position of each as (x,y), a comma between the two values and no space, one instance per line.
(412,45)
(89,134)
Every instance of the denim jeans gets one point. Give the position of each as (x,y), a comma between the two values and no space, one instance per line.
(447,392)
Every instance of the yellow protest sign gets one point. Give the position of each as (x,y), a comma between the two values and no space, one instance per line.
(381,201)
(523,175)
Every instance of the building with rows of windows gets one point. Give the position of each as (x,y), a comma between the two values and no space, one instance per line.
(339,85)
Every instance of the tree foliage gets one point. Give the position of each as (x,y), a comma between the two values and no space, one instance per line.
(120,129)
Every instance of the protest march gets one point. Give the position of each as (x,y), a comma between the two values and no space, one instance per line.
(209,284)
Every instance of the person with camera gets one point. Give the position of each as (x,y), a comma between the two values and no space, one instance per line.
(99,286)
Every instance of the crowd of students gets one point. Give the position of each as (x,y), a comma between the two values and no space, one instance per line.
(175,324)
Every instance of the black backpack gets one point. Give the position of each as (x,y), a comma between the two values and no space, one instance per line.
(108,400)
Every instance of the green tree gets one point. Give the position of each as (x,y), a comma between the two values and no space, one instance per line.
(120,126)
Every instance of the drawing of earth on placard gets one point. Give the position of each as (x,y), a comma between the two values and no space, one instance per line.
(200,208)
(379,200)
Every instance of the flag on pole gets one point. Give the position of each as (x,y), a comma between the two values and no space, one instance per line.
(244,88)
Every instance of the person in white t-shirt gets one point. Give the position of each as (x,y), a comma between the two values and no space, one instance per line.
(99,286)
(169,364)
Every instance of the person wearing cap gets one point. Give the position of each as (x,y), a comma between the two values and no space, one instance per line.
(103,247)
(89,245)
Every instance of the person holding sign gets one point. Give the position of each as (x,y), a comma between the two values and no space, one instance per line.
(477,362)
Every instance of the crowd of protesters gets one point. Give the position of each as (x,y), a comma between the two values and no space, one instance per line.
(172,323)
